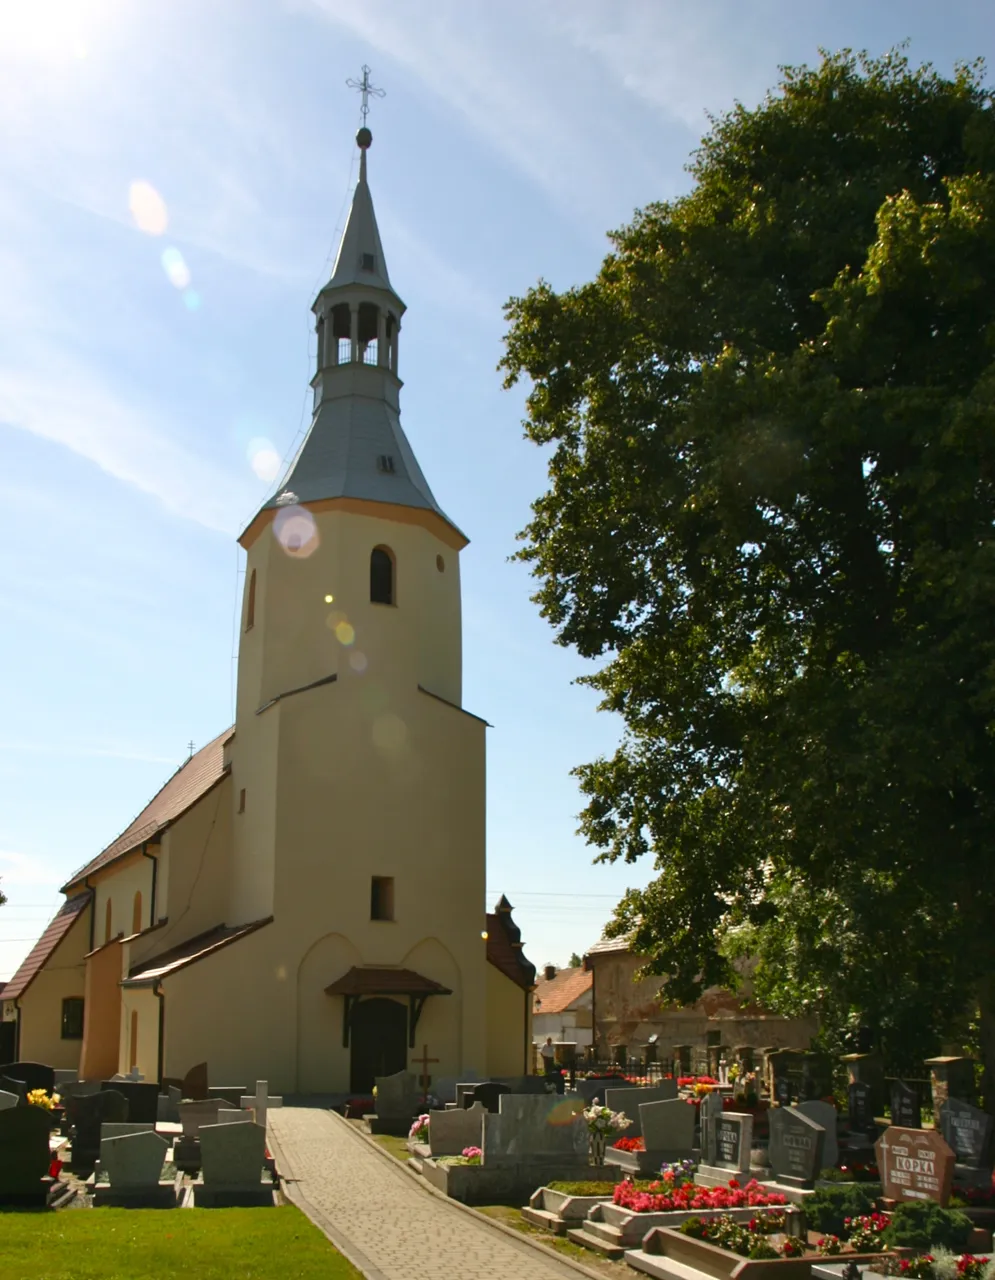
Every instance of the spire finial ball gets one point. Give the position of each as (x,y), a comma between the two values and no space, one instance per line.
(364,138)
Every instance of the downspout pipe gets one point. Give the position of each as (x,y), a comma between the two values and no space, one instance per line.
(155,879)
(160,995)
(93,910)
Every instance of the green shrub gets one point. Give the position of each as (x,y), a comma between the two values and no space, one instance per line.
(827,1209)
(921,1224)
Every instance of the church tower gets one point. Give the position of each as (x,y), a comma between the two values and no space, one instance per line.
(357,778)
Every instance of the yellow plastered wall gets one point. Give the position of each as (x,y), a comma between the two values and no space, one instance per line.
(63,975)
(139,1013)
(195,873)
(102,1029)
(509,1029)
(118,885)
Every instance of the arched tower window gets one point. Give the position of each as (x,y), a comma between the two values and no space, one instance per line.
(341,334)
(369,330)
(108,921)
(320,329)
(381,576)
(250,608)
(136,913)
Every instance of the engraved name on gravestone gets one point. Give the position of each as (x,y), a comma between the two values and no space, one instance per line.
(915,1164)
(906,1105)
(796,1146)
(733,1140)
(968,1131)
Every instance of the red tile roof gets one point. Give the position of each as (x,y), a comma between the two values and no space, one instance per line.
(560,992)
(504,947)
(189,952)
(68,914)
(190,781)
(385,982)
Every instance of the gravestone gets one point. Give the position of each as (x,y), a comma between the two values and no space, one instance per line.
(915,1164)
(733,1142)
(867,1068)
(628,1100)
(968,1132)
(464,1092)
(16,1087)
(906,1105)
(33,1075)
(796,1147)
(824,1113)
(79,1089)
(860,1108)
(782,1091)
(24,1157)
(816,1077)
(682,1059)
(8,1100)
(64,1076)
(450,1131)
(744,1054)
(489,1094)
(535,1130)
(195,1082)
(167,1108)
(260,1102)
(133,1165)
(398,1096)
(194,1116)
(232,1157)
(709,1110)
(143,1099)
(87,1113)
(668,1128)
(230,1094)
(591,1089)
(121,1128)
(235,1115)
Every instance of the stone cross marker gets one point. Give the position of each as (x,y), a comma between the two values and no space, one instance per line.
(796,1146)
(915,1164)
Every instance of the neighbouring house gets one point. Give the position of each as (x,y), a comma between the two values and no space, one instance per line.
(562,1006)
(304,899)
(627,1011)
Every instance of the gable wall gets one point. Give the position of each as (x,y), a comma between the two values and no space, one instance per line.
(64,974)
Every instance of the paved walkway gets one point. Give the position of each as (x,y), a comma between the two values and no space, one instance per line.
(379,1216)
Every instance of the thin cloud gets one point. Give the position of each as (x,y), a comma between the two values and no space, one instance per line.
(84,751)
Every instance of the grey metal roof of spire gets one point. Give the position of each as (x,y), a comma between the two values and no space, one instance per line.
(360,242)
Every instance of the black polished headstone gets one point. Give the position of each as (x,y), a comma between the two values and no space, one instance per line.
(33,1075)
(24,1157)
(782,1091)
(968,1131)
(796,1146)
(488,1094)
(143,1099)
(86,1114)
(860,1108)
(906,1105)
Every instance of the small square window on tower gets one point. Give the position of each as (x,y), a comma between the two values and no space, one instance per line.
(382,898)
(385,463)
(367,262)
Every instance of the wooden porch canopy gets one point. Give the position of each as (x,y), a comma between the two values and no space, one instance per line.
(355,984)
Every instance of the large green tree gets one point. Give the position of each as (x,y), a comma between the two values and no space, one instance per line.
(771,422)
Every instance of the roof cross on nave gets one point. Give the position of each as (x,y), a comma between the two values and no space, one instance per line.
(366,88)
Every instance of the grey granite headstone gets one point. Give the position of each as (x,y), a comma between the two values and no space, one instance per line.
(168,1107)
(398,1096)
(667,1127)
(232,1115)
(121,1129)
(133,1160)
(530,1129)
(7,1100)
(968,1131)
(232,1156)
(449,1132)
(709,1110)
(464,1091)
(824,1113)
(733,1141)
(629,1100)
(230,1094)
(24,1156)
(796,1146)
(194,1115)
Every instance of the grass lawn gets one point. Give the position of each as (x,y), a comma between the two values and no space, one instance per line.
(159,1244)
(398,1147)
(593,1261)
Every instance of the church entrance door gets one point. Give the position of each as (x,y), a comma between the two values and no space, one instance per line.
(379,1039)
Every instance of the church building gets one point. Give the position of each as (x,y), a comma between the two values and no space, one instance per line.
(304,900)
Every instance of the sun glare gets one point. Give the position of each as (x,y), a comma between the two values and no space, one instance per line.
(52,30)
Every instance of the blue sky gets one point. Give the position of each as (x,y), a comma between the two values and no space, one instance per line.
(132,404)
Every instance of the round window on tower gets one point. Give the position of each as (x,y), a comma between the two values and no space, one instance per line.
(440,564)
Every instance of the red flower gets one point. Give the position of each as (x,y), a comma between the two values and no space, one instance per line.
(55,1168)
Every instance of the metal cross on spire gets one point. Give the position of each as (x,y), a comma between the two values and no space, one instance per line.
(366,88)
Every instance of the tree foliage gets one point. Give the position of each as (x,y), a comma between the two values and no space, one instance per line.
(772,429)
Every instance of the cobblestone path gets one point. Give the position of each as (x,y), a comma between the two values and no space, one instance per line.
(381,1219)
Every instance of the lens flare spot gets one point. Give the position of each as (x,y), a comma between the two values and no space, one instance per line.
(357,660)
(390,733)
(148,208)
(484,934)
(562,1114)
(345,633)
(191,300)
(263,458)
(295,530)
(175,268)
(334,619)
(329,599)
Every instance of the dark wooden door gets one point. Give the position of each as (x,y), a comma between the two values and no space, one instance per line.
(379,1040)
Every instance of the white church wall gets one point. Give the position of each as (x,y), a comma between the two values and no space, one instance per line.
(322,1059)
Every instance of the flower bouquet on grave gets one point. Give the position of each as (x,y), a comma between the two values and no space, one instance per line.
(419,1129)
(863,1234)
(601,1123)
(40,1098)
(746,1091)
(472,1155)
(678,1173)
